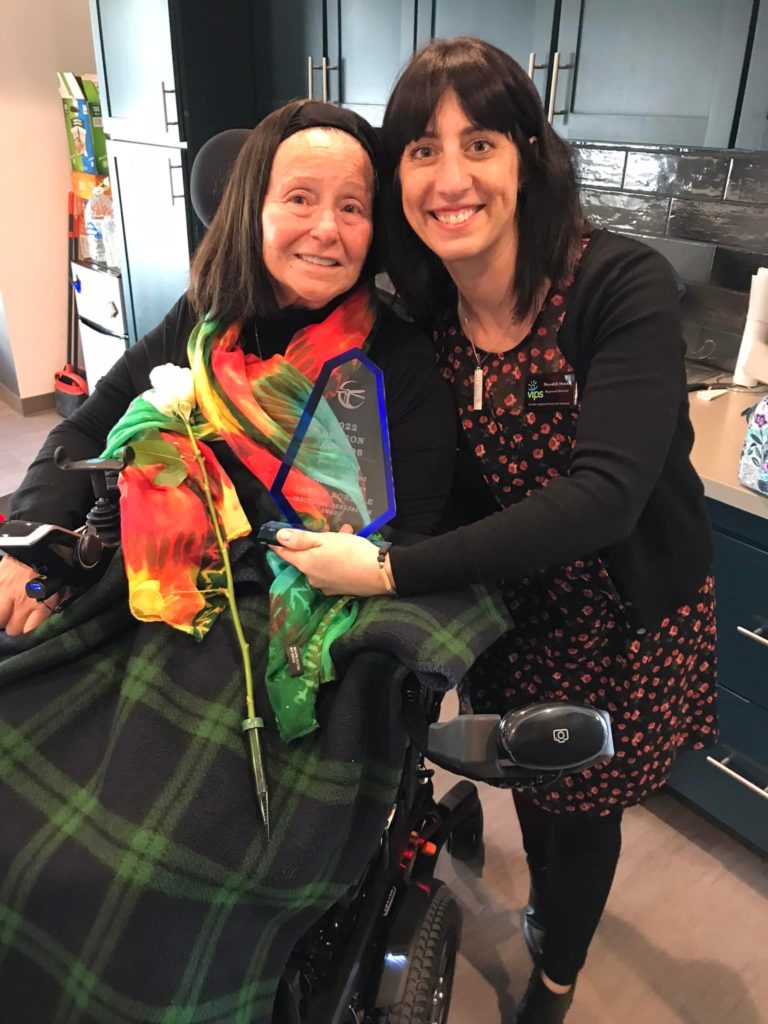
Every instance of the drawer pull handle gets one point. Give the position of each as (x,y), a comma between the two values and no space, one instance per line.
(557,67)
(735,775)
(113,310)
(753,634)
(171,168)
(166,93)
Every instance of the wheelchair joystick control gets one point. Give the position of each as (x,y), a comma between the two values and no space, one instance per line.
(69,558)
(104,521)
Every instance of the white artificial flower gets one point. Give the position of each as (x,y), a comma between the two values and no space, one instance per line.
(173,389)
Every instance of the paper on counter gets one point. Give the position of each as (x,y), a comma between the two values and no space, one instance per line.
(756,361)
(711,393)
(752,361)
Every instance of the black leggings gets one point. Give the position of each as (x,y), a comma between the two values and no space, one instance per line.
(572,858)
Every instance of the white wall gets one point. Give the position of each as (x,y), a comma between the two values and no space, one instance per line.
(37,39)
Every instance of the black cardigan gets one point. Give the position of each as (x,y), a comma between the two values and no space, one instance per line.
(632,494)
(422,420)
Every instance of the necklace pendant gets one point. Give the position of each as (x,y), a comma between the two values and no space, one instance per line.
(477,393)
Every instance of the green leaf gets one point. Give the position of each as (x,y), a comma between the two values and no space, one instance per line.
(171,476)
(149,453)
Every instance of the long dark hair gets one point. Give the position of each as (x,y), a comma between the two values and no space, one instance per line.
(496,94)
(228,277)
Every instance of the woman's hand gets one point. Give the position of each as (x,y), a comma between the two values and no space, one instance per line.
(19,613)
(334,563)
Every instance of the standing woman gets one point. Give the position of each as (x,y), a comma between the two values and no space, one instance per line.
(563,348)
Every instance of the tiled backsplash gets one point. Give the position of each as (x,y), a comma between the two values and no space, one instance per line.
(706,210)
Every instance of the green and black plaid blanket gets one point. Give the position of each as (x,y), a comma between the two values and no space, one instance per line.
(137,886)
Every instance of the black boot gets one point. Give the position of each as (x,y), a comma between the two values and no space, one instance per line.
(533,916)
(541,1005)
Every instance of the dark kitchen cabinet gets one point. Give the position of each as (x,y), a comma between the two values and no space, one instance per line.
(730,781)
(347,51)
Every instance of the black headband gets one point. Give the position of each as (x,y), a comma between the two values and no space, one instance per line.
(214,162)
(314,114)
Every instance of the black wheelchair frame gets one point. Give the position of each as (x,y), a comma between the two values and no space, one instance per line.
(386,952)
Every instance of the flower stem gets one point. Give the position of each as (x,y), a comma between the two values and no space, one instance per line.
(249,700)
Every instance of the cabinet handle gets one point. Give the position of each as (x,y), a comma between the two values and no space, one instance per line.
(325,79)
(113,310)
(171,168)
(325,67)
(723,766)
(532,65)
(168,92)
(557,67)
(754,634)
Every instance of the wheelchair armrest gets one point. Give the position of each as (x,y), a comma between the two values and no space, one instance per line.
(530,744)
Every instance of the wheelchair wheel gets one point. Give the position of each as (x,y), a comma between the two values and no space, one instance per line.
(430,975)
(466,841)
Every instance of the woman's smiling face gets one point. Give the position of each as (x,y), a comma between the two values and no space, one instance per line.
(460,186)
(317,218)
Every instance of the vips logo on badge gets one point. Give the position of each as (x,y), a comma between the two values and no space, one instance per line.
(351,396)
(534,390)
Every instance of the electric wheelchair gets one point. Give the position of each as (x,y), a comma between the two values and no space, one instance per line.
(386,951)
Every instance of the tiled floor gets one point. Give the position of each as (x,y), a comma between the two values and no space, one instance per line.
(20,440)
(684,937)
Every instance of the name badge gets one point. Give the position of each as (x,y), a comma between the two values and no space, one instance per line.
(551,391)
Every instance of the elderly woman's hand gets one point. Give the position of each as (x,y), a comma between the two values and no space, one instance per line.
(19,613)
(334,563)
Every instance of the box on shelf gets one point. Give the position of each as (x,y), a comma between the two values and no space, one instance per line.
(82,114)
(83,186)
(90,89)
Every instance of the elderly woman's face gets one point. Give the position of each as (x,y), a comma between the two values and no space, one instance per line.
(317,220)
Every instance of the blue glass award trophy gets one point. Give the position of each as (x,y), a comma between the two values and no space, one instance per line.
(342,443)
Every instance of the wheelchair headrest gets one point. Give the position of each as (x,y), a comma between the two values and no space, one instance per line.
(211,169)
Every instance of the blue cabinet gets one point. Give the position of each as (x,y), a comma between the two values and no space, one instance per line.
(523,30)
(349,52)
(148,186)
(730,781)
(368,44)
(742,618)
(692,72)
(172,74)
(137,78)
(289,42)
(655,72)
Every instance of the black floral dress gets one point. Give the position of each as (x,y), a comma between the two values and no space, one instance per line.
(570,638)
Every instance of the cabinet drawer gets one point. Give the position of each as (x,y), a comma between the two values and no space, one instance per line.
(99,299)
(730,781)
(741,574)
(743,728)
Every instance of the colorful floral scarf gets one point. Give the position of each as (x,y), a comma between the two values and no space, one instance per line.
(173,562)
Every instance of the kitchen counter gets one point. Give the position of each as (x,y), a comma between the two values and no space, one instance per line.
(720,429)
